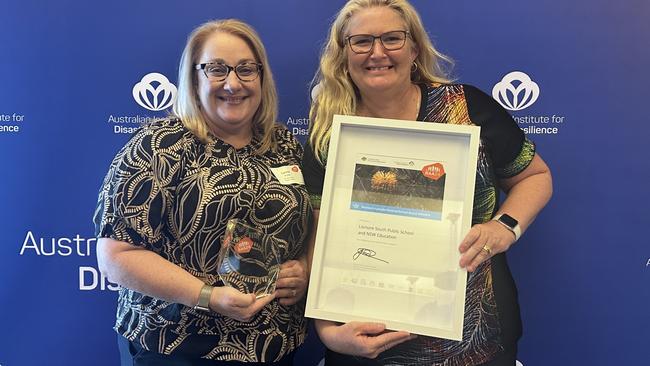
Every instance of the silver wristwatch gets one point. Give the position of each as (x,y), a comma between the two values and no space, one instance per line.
(204,298)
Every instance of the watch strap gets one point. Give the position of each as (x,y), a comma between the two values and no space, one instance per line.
(203,304)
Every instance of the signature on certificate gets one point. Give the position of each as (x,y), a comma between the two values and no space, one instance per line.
(367,253)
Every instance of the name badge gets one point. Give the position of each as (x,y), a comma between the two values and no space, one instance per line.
(290,174)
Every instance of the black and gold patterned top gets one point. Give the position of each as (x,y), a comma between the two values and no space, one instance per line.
(492,323)
(172,194)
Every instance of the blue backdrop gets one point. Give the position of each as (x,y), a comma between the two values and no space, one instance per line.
(68,69)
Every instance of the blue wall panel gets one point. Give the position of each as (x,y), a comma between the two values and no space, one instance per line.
(68,67)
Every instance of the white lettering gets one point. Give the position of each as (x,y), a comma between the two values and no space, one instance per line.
(297,121)
(540,130)
(68,249)
(299,131)
(29,238)
(97,279)
(121,129)
(78,239)
(531,119)
(130,119)
(9,128)
(58,246)
(83,286)
(53,247)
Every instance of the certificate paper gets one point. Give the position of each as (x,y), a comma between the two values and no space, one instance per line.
(396,202)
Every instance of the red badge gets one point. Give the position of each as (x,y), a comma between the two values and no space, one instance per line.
(433,171)
(244,245)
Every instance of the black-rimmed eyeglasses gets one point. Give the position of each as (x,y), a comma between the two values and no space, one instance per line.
(391,41)
(217,71)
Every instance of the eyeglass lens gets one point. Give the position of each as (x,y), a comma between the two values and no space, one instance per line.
(363,43)
(247,71)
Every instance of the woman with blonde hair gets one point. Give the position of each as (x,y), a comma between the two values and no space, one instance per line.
(167,197)
(379,62)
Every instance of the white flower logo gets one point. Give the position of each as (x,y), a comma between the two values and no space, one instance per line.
(516,98)
(154,98)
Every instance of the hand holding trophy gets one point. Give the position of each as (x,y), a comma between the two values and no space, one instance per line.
(248,259)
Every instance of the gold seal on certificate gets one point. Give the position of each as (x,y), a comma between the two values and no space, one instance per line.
(248,259)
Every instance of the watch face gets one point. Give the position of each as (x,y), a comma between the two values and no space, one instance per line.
(508,220)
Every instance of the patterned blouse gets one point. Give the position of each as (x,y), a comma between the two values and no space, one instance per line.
(492,323)
(170,193)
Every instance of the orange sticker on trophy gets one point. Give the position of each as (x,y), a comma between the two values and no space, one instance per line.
(226,240)
(244,245)
(433,171)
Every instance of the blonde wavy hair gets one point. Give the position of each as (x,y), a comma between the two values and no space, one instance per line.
(337,93)
(188,107)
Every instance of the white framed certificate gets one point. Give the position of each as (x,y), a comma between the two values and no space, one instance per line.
(397,200)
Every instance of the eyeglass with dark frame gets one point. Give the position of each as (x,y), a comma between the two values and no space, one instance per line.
(391,41)
(218,71)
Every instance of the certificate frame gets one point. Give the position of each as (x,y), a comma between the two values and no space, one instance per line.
(404,189)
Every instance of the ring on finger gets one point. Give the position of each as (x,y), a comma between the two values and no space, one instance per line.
(293,293)
(487,249)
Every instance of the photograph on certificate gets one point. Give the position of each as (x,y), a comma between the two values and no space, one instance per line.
(398,186)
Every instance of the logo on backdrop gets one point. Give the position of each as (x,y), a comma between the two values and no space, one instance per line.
(154,92)
(516,91)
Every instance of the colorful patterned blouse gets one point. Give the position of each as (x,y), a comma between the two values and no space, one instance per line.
(492,322)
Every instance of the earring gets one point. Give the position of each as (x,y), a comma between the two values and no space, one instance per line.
(414,67)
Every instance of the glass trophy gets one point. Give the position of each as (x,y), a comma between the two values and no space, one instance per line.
(248,259)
